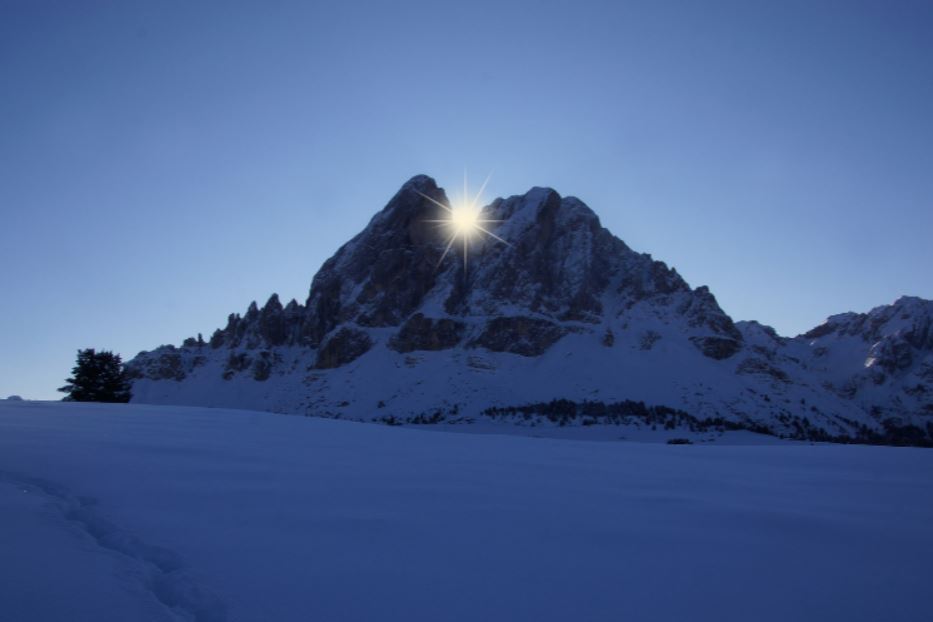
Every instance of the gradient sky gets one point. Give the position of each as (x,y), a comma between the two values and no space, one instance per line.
(163,164)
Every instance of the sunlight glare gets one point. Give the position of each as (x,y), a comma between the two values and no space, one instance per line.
(463,219)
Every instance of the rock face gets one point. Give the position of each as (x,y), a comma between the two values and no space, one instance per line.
(344,346)
(560,309)
(519,335)
(165,363)
(717,347)
(423,333)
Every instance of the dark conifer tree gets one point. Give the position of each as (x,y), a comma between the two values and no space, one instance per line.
(97,377)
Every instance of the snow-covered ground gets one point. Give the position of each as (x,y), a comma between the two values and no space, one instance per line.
(129,512)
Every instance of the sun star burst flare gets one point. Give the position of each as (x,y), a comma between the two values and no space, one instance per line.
(463,220)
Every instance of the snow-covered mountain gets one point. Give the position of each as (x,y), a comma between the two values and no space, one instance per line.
(881,360)
(394,330)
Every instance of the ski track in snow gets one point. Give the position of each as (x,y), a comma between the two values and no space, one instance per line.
(164,573)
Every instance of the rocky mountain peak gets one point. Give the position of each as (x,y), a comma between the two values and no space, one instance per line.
(405,214)
(545,261)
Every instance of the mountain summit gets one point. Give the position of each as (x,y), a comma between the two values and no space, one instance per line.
(393,329)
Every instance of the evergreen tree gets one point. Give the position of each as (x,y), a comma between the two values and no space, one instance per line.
(97,377)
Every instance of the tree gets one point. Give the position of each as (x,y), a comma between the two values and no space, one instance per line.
(97,377)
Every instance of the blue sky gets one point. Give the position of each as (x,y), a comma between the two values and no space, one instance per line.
(163,164)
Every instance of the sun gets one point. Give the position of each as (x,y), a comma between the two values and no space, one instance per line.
(463,220)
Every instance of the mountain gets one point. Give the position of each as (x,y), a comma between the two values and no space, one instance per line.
(560,323)
(882,360)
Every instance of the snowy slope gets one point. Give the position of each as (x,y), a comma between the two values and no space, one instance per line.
(882,359)
(128,512)
(564,310)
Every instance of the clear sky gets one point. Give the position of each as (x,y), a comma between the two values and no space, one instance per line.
(162,164)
